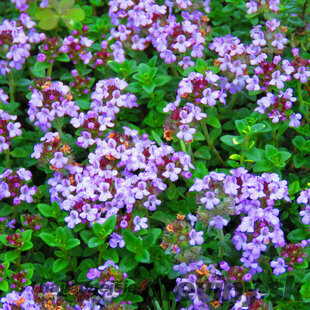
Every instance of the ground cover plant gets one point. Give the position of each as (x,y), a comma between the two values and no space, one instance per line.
(154,154)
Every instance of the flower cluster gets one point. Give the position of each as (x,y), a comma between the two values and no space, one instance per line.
(108,277)
(48,101)
(13,184)
(16,38)
(49,49)
(182,239)
(199,90)
(124,170)
(261,6)
(8,130)
(108,97)
(252,198)
(53,151)
(24,300)
(270,75)
(76,46)
(22,5)
(140,24)
(304,198)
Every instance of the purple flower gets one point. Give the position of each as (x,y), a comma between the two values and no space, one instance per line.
(182,268)
(85,140)
(3,97)
(273,24)
(181,43)
(279,41)
(93,273)
(168,56)
(140,223)
(115,240)
(73,219)
(209,97)
(152,203)
(186,133)
(89,213)
(303,74)
(14,129)
(253,249)
(107,264)
(253,83)
(171,172)
(278,79)
(295,120)
(279,266)
(3,145)
(195,237)
(59,160)
(305,215)
(210,200)
(218,221)
(27,193)
(252,7)
(186,62)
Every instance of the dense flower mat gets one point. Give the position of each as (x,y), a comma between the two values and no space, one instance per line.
(154,154)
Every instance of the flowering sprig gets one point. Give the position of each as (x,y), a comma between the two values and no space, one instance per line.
(14,185)
(50,100)
(8,130)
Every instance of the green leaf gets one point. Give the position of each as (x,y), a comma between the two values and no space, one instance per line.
(45,210)
(26,246)
(162,266)
(75,14)
(162,80)
(27,235)
(213,121)
(171,191)
(110,223)
(128,263)
(111,254)
(49,239)
(150,239)
(232,140)
(270,151)
(294,188)
(83,104)
(6,209)
(258,128)
(60,264)
(4,286)
(262,165)
(157,138)
(254,154)
(297,235)
(285,155)
(65,5)
(133,243)
(86,235)
(305,292)
(143,257)
(63,57)
(149,88)
(200,170)
(19,152)
(242,126)
(95,242)
(60,254)
(299,160)
(49,23)
(72,243)
(11,256)
(203,153)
